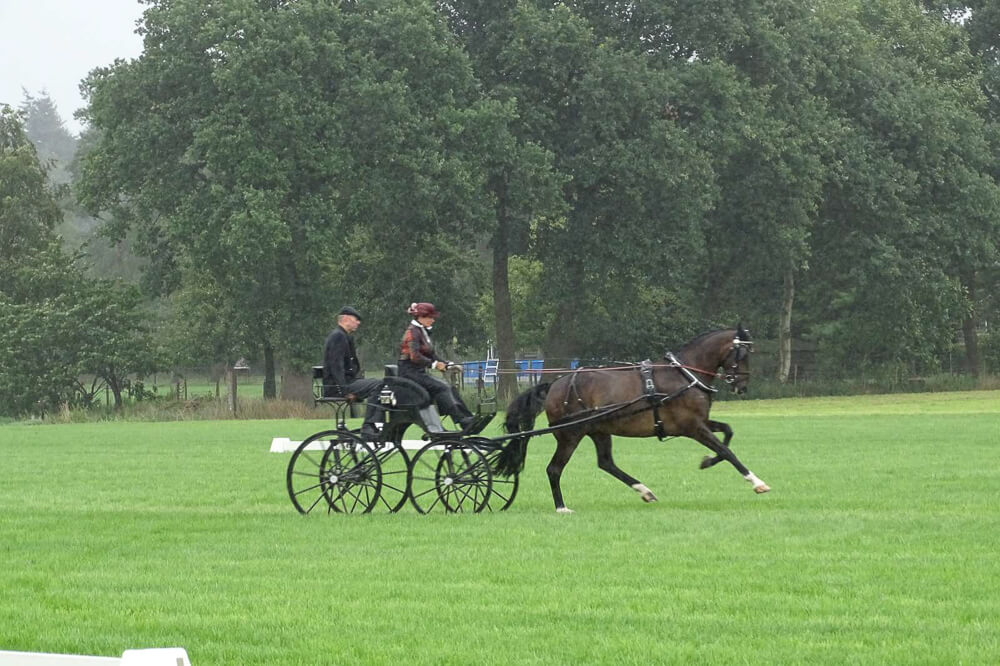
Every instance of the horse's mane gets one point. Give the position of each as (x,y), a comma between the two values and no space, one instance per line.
(701,338)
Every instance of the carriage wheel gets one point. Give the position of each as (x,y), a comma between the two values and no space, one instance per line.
(353,475)
(335,471)
(449,475)
(503,489)
(395,465)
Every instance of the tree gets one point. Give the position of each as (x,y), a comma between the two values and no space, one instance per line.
(633,183)
(198,327)
(980,19)
(746,77)
(28,211)
(113,339)
(304,156)
(54,325)
(47,131)
(912,200)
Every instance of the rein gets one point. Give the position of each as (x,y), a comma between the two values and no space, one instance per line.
(631,366)
(593,415)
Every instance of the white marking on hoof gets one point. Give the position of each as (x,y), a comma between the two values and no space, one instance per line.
(564,509)
(758,485)
(647,494)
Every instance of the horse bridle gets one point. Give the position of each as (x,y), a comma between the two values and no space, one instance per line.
(742,349)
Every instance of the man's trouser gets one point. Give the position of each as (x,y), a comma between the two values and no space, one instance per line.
(367,388)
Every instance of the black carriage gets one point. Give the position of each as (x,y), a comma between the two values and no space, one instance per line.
(346,471)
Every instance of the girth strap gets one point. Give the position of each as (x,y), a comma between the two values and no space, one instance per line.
(654,399)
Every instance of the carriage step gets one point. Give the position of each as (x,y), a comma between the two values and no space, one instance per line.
(478,424)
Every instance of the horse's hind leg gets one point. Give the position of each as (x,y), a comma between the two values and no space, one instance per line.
(566,444)
(705,436)
(727,433)
(607,463)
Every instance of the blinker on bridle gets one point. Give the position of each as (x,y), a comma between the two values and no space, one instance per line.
(742,349)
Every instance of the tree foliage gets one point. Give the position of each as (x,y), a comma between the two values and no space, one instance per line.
(822,169)
(56,327)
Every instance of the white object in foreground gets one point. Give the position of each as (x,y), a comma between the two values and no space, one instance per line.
(146,657)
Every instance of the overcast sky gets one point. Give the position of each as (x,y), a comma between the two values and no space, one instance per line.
(52,44)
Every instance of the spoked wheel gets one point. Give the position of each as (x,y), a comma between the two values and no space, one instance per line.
(449,475)
(334,471)
(503,489)
(395,465)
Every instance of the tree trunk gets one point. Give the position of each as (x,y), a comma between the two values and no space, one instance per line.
(785,326)
(559,344)
(116,390)
(971,338)
(502,314)
(270,389)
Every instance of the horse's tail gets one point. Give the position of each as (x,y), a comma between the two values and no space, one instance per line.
(521,415)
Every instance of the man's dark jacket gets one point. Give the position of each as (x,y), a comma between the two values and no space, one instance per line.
(340,363)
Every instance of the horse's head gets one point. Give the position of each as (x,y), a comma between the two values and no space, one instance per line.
(736,364)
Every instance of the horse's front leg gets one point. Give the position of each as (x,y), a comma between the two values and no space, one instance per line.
(727,433)
(606,462)
(705,436)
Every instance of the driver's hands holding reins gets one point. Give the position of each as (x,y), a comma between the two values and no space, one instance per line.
(442,365)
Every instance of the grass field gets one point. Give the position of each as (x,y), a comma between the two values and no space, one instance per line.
(877,545)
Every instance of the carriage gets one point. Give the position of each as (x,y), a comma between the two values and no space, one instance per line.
(344,471)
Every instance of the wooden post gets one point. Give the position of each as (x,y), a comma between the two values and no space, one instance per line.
(231,381)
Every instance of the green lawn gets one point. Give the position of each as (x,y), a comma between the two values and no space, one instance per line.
(876,545)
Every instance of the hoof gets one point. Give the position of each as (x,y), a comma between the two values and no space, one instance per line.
(762,488)
(645,493)
(706,462)
(564,509)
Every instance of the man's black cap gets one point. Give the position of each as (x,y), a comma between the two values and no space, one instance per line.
(348,310)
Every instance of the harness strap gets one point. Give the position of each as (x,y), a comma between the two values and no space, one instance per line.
(649,390)
(573,389)
(675,363)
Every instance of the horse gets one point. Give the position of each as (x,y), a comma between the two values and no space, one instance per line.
(641,400)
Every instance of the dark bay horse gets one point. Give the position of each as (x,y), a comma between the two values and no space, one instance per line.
(671,398)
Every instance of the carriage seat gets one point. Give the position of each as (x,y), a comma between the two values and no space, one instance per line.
(327,393)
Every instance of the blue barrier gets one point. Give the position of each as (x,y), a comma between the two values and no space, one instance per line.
(528,370)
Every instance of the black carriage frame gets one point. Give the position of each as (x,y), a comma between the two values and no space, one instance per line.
(344,470)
